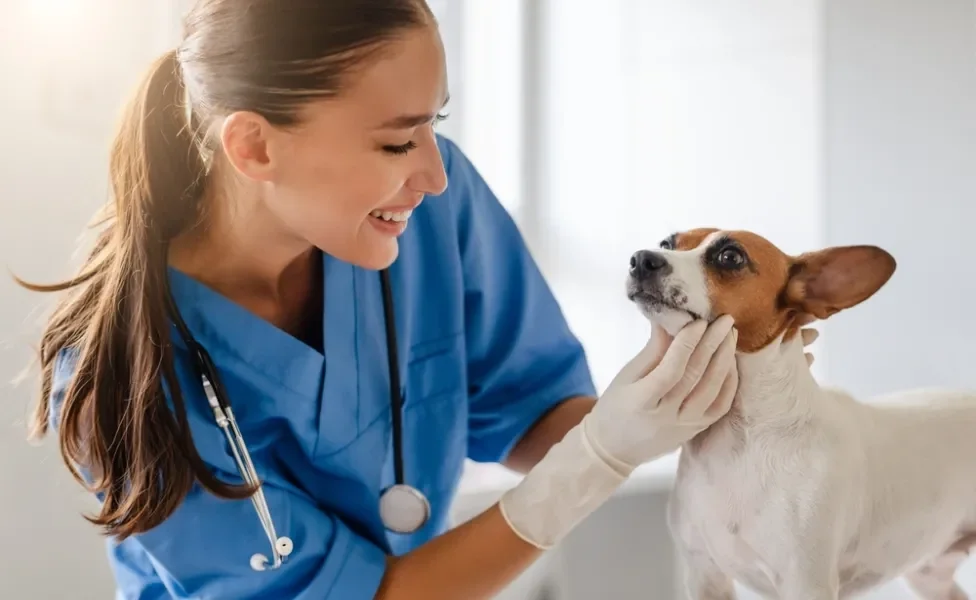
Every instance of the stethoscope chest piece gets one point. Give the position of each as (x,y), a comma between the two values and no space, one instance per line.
(403,508)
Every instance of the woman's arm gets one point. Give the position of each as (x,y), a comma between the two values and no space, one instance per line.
(474,560)
(547,431)
(483,555)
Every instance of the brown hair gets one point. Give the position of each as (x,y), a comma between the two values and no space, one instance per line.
(269,57)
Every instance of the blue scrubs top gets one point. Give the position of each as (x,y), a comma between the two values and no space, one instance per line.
(484,352)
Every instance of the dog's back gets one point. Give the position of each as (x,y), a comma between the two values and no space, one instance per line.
(914,487)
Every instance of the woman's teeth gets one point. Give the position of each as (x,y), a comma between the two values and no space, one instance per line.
(386,215)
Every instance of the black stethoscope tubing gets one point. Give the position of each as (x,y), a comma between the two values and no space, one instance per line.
(396,399)
(412,505)
(205,366)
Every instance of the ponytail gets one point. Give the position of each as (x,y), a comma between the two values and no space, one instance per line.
(114,419)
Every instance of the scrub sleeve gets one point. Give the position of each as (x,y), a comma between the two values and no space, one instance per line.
(523,359)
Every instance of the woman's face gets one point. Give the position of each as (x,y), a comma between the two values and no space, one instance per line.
(347,178)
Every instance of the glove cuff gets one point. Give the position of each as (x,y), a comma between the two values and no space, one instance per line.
(571,481)
(613,462)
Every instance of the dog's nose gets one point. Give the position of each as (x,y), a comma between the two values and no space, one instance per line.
(646,262)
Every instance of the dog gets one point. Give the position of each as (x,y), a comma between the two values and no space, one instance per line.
(800,491)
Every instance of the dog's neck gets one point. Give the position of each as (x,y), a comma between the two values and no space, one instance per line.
(775,382)
(776,389)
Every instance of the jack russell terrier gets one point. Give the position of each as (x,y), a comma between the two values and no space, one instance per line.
(802,492)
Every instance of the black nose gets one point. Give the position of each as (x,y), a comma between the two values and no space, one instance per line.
(646,262)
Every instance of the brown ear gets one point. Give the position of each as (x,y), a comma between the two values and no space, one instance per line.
(831,280)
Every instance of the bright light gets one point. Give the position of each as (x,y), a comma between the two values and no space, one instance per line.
(58,16)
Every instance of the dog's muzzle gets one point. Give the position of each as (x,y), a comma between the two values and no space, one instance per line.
(648,270)
(648,285)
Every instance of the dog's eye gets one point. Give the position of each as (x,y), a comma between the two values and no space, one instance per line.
(666,245)
(730,258)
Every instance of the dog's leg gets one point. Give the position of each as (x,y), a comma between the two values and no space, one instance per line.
(935,580)
(811,572)
(703,580)
(708,585)
(811,577)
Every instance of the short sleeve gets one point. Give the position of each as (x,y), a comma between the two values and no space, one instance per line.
(523,359)
(204,549)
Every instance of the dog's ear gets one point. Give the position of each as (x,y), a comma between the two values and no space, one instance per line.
(825,282)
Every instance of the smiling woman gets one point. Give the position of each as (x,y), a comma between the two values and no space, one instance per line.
(267,168)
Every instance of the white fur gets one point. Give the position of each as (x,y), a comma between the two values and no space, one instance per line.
(688,280)
(803,493)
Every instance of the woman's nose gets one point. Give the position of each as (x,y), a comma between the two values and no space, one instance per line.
(431,179)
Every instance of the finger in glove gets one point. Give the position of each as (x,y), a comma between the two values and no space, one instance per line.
(708,388)
(702,356)
(726,396)
(647,359)
(672,366)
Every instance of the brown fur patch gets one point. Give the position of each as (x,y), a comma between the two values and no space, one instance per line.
(775,291)
(753,295)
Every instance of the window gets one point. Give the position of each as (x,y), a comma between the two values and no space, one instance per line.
(638,119)
(484,46)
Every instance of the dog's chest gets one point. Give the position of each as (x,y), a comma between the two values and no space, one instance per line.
(726,510)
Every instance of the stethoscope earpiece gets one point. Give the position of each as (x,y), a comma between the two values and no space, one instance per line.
(259,562)
(283,545)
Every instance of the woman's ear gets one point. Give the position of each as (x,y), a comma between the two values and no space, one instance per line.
(245,138)
(825,282)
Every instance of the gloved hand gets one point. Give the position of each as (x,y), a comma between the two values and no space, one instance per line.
(663,397)
(666,395)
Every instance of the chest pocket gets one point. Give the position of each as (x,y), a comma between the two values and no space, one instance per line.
(435,425)
(435,372)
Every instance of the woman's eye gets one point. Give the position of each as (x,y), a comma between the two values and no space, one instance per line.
(405,148)
(401,149)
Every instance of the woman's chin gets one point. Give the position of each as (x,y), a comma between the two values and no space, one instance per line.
(374,256)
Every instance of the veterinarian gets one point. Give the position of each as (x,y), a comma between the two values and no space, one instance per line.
(274,362)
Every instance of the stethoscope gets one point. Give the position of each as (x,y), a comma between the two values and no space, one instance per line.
(402,507)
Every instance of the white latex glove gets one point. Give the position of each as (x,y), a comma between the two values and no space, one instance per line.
(662,398)
(666,395)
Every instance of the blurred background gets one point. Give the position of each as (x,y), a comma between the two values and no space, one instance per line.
(602,126)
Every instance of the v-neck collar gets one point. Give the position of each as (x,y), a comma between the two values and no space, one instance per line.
(227,329)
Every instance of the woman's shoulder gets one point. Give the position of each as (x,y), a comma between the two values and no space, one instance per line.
(464,181)
(467,191)
(64,365)
(467,209)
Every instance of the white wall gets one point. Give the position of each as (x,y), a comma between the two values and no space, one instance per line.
(900,143)
(901,172)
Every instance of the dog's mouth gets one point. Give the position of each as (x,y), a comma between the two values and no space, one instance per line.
(656,301)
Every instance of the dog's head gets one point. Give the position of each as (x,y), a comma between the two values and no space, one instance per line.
(705,273)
